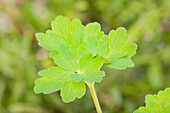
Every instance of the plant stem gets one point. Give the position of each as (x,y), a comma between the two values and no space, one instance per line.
(94,96)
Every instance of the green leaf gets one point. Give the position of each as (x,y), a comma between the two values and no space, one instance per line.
(116,56)
(72,90)
(46,42)
(64,28)
(74,24)
(93,34)
(92,45)
(56,39)
(120,64)
(91,76)
(159,103)
(49,85)
(64,62)
(55,79)
(88,63)
(61,26)
(118,38)
(103,45)
(76,77)
(95,64)
(79,36)
(129,50)
(93,30)
(142,110)
(54,72)
(51,41)
(84,62)
(80,52)
(66,57)
(53,53)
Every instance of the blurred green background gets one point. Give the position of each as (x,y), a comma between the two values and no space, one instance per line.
(147,22)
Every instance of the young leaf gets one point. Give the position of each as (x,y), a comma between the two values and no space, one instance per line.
(64,28)
(120,64)
(66,57)
(80,52)
(129,50)
(95,64)
(118,38)
(93,33)
(103,45)
(116,56)
(79,36)
(56,39)
(64,62)
(88,63)
(76,77)
(92,45)
(46,42)
(84,62)
(74,25)
(61,26)
(93,30)
(156,103)
(55,79)
(54,72)
(72,90)
(91,76)
(49,85)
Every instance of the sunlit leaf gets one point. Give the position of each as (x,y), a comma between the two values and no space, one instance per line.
(118,38)
(46,42)
(159,103)
(93,30)
(103,45)
(54,72)
(91,76)
(129,50)
(92,45)
(79,36)
(80,51)
(49,85)
(120,64)
(72,90)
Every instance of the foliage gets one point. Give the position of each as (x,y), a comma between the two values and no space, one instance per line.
(147,23)
(159,103)
(80,51)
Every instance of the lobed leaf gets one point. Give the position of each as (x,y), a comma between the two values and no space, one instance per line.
(66,57)
(118,38)
(79,36)
(103,45)
(93,30)
(80,52)
(156,103)
(129,50)
(54,72)
(120,64)
(72,90)
(88,63)
(49,85)
(46,42)
(91,44)
(91,76)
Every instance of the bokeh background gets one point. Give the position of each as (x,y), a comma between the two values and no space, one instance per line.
(147,22)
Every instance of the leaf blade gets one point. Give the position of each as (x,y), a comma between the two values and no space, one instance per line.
(72,90)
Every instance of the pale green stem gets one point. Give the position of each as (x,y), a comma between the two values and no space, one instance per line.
(94,96)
